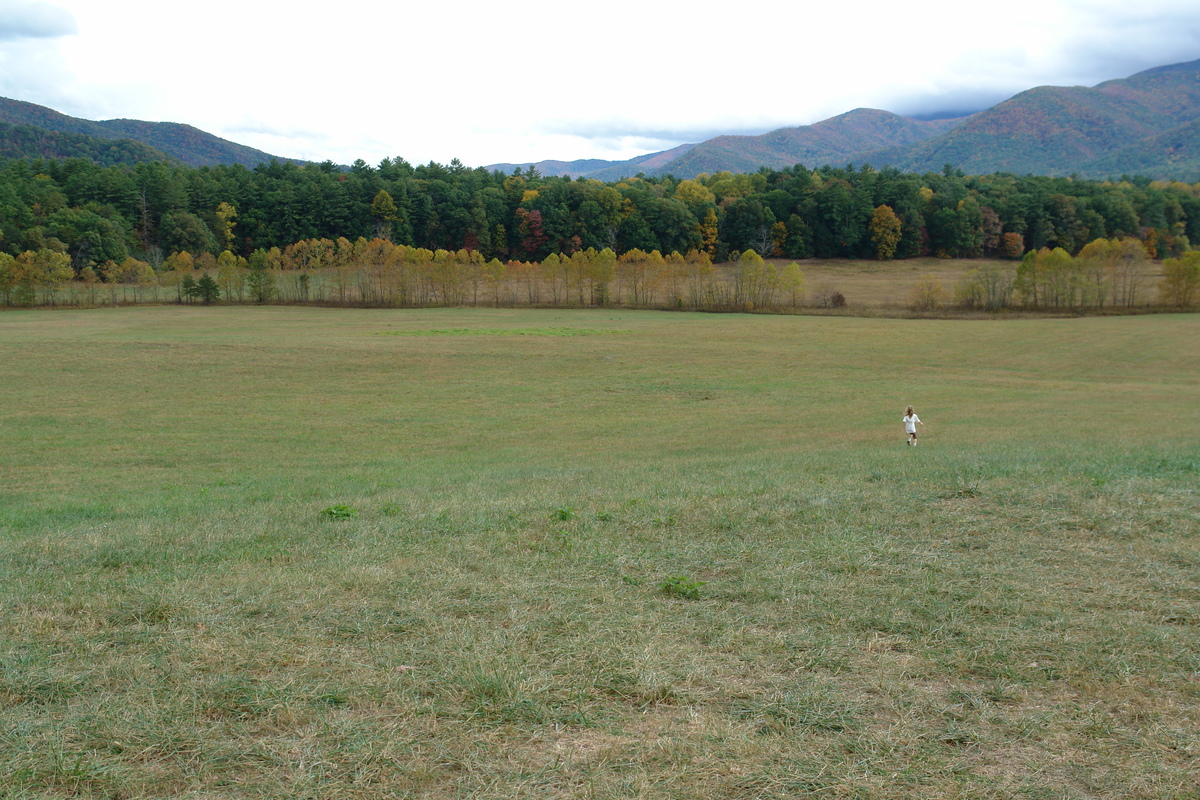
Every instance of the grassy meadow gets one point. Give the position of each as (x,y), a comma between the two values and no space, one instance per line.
(444,553)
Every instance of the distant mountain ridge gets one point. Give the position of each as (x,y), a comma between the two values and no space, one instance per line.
(835,140)
(597,167)
(157,140)
(1095,132)
(1145,124)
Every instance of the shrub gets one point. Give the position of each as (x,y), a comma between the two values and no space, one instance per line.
(339,512)
(927,294)
(830,298)
(681,586)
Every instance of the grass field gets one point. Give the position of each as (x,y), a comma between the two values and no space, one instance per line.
(887,286)
(288,552)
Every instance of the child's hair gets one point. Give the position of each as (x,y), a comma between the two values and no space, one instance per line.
(909,413)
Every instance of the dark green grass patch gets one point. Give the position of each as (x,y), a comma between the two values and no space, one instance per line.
(507,332)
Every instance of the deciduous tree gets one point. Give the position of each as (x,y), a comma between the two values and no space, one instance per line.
(176,267)
(988,288)
(9,276)
(260,281)
(792,282)
(1012,245)
(383,209)
(231,275)
(1180,283)
(886,231)
(226,219)
(708,232)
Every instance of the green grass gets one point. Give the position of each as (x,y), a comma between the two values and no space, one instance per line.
(269,552)
(504,332)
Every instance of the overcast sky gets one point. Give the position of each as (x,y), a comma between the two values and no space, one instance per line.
(490,82)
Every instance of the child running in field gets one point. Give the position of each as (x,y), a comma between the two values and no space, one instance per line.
(911,421)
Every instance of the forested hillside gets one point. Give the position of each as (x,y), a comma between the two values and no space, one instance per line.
(1122,126)
(158,140)
(838,141)
(29,141)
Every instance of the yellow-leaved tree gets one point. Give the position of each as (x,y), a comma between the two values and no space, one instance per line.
(385,212)
(708,232)
(226,216)
(231,274)
(1180,284)
(791,281)
(695,194)
(885,229)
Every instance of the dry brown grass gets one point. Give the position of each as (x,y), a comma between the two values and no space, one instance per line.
(879,285)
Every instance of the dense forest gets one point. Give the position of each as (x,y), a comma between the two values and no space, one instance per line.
(134,223)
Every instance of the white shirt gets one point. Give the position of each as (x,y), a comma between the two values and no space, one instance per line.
(910,423)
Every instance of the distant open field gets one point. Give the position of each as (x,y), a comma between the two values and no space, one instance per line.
(869,288)
(885,284)
(888,285)
(447,553)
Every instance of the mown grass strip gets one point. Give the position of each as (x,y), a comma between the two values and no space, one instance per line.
(506,332)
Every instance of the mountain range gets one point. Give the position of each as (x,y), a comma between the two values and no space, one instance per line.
(1147,124)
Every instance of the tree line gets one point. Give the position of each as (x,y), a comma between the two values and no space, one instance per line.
(1107,273)
(123,228)
(105,213)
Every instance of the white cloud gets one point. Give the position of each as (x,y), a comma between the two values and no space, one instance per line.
(34,20)
(31,67)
